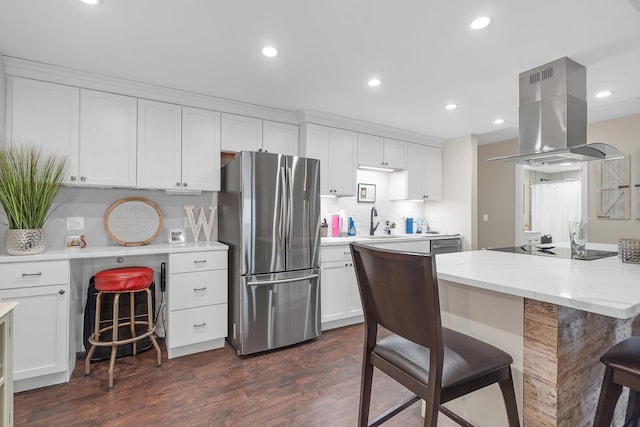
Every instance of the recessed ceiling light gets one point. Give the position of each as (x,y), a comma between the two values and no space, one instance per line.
(374,82)
(604,94)
(480,23)
(92,2)
(451,106)
(498,121)
(269,51)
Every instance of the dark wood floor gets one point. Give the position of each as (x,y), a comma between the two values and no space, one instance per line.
(312,384)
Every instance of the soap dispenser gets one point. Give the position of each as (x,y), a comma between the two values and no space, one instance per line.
(352,227)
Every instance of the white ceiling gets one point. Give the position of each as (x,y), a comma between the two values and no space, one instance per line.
(423,51)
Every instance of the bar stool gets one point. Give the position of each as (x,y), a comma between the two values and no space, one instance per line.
(622,363)
(119,281)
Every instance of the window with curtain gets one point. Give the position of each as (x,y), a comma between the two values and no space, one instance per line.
(553,205)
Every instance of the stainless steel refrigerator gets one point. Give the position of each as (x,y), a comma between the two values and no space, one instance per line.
(269,209)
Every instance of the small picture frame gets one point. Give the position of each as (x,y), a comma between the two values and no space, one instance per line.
(366,193)
(176,235)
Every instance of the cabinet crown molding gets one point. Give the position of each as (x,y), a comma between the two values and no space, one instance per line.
(25,68)
(362,126)
(66,76)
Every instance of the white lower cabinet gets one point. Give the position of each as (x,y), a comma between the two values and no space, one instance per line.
(197,302)
(6,364)
(41,321)
(340,297)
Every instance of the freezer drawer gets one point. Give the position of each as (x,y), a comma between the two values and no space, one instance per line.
(279,310)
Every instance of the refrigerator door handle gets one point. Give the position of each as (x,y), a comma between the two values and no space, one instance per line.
(284,208)
(275,282)
(289,210)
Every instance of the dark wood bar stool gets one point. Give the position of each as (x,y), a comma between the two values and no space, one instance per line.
(120,281)
(622,363)
(399,291)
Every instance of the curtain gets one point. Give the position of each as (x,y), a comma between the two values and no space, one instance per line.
(553,205)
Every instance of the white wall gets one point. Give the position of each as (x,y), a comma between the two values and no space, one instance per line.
(91,204)
(457,211)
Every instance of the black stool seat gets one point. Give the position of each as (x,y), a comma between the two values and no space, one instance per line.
(465,358)
(622,363)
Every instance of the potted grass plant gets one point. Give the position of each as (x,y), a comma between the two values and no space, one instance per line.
(29,181)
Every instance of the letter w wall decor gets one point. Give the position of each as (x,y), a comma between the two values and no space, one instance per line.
(202,222)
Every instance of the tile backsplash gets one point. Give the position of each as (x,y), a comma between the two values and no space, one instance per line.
(393,211)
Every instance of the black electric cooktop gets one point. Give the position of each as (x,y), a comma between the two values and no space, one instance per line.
(554,251)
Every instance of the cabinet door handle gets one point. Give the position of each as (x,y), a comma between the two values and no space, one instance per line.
(184,184)
(61,291)
(202,289)
(195,261)
(177,184)
(346,253)
(73,178)
(200,325)
(31,274)
(83,178)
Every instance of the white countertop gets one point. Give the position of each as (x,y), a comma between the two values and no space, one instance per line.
(6,307)
(328,241)
(606,286)
(109,251)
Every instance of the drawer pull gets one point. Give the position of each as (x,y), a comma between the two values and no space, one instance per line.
(204,261)
(346,253)
(202,289)
(61,291)
(31,274)
(200,325)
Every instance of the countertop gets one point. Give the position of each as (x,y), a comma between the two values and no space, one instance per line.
(115,250)
(6,307)
(606,286)
(328,241)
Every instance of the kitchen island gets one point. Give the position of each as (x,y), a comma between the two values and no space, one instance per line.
(556,316)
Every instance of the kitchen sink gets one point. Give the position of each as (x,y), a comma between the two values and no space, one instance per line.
(382,237)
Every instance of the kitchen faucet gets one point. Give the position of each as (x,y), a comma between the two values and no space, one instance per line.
(372,229)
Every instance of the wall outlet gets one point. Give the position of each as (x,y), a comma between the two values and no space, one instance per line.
(485,217)
(75,223)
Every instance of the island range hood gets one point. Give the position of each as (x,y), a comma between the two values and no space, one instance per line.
(553,117)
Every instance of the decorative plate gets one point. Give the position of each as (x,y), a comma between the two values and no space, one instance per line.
(133,221)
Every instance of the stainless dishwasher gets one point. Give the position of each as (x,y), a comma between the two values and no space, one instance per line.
(445,246)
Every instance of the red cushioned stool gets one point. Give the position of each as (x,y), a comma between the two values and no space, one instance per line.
(119,281)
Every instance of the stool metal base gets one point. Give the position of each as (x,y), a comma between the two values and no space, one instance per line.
(94,339)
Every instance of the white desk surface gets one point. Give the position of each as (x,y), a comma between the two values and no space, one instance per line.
(115,251)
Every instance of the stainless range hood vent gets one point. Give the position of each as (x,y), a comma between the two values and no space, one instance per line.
(553,117)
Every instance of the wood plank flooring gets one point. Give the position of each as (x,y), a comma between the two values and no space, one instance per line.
(312,384)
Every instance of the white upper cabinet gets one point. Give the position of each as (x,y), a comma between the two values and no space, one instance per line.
(159,145)
(381,152)
(108,129)
(432,173)
(241,133)
(395,153)
(200,149)
(336,150)
(281,138)
(424,173)
(45,114)
(178,149)
(370,150)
